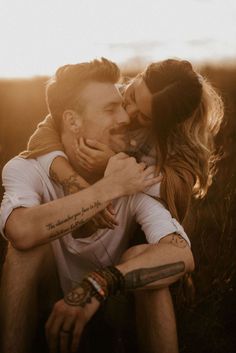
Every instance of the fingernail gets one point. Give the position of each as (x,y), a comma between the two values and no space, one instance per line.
(89,141)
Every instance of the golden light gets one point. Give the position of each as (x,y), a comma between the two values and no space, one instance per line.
(38,36)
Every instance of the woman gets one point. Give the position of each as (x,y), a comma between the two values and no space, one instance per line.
(175,115)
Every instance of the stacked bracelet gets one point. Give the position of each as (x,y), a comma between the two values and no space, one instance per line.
(106,282)
(99,284)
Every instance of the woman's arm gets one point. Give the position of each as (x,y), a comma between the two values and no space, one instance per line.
(44,140)
(62,173)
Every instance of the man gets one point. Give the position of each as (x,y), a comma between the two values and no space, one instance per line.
(85,103)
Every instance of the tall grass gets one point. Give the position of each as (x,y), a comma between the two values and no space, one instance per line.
(207,325)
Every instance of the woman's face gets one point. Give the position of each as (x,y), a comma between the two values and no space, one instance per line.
(137,101)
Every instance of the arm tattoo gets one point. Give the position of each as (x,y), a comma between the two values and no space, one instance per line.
(116,282)
(70,185)
(81,295)
(73,219)
(141,277)
(178,241)
(54,176)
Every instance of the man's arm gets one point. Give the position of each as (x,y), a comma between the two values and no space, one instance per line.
(63,174)
(147,266)
(32,226)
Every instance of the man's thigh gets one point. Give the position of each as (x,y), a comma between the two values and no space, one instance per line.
(29,287)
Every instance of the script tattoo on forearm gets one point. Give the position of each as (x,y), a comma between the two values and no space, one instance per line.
(75,221)
(141,277)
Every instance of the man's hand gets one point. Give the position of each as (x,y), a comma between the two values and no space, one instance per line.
(65,325)
(104,219)
(92,155)
(130,176)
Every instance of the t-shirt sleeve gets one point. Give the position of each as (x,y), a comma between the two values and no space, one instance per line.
(23,188)
(45,139)
(155,220)
(46,160)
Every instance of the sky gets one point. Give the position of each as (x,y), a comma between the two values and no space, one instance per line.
(38,36)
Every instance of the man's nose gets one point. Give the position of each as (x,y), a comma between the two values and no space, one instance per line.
(123,117)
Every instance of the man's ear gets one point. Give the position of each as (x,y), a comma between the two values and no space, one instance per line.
(72,121)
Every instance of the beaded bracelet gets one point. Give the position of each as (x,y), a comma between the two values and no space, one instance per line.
(107,281)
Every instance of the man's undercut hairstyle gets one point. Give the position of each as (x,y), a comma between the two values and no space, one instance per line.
(63,88)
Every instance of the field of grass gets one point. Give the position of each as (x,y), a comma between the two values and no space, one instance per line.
(208,323)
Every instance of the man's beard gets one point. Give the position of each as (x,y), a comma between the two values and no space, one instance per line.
(119,139)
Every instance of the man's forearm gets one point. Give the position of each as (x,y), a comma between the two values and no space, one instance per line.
(62,173)
(41,224)
(147,266)
(36,225)
(157,265)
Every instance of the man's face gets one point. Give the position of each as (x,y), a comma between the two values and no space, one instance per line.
(104,119)
(137,101)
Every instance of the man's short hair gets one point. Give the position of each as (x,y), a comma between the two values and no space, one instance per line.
(63,88)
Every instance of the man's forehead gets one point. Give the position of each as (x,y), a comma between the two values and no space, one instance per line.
(102,92)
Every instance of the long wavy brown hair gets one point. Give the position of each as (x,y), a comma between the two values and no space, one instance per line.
(187,115)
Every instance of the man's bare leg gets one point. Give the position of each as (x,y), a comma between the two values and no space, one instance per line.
(155,316)
(155,321)
(21,275)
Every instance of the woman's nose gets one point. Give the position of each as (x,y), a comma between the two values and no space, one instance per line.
(130,108)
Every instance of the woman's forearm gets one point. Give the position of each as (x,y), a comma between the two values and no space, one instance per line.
(63,173)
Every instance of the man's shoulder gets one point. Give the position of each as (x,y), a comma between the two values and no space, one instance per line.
(21,170)
(17,164)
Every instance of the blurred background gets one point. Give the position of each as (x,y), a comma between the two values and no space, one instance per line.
(36,37)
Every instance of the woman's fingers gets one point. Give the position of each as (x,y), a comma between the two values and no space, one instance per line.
(84,164)
(152,181)
(81,155)
(97,145)
(88,150)
(103,222)
(110,217)
(111,209)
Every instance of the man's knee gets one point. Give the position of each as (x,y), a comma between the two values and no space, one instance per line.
(23,270)
(133,252)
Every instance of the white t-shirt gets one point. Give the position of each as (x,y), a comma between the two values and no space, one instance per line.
(27,183)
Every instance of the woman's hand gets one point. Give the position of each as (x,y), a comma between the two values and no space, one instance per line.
(93,155)
(104,219)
